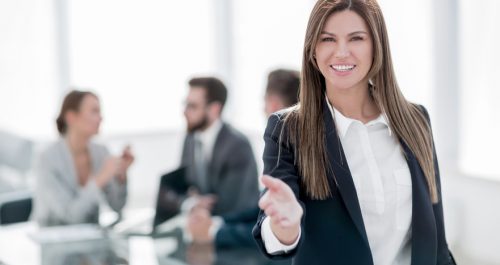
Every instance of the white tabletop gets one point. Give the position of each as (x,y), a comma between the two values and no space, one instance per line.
(16,247)
(27,244)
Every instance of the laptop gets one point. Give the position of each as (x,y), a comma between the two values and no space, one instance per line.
(165,215)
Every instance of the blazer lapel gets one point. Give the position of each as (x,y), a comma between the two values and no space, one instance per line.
(69,177)
(214,165)
(342,175)
(187,159)
(424,234)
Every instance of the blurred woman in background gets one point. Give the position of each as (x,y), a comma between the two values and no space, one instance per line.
(73,174)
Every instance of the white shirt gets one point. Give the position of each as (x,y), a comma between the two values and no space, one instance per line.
(208,138)
(383,184)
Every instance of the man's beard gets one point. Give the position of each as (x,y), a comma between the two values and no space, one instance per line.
(198,126)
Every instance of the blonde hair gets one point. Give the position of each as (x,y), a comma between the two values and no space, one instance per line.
(406,120)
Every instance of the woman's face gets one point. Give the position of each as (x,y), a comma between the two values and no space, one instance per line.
(87,119)
(344,52)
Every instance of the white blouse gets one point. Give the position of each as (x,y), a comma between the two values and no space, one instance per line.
(383,184)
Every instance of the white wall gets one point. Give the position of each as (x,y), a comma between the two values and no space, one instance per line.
(472,215)
(29,76)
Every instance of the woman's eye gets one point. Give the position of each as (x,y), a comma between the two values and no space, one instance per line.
(328,39)
(356,38)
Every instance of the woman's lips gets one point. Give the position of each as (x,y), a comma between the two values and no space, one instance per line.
(342,69)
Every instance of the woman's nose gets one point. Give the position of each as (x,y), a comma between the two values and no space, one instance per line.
(342,51)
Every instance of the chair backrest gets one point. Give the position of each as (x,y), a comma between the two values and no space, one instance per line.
(15,211)
(16,152)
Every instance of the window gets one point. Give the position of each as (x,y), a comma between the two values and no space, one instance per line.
(409,25)
(480,89)
(267,35)
(28,72)
(138,56)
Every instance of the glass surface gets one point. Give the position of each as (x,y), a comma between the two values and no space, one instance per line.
(115,250)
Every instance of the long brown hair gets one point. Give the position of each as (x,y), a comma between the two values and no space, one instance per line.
(306,119)
(71,102)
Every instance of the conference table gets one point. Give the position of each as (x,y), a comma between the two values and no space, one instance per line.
(28,244)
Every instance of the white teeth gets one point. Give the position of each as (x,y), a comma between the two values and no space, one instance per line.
(343,67)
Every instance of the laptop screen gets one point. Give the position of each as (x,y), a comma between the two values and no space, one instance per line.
(172,184)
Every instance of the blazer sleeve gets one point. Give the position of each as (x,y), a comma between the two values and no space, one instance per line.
(279,162)
(237,229)
(235,235)
(115,191)
(55,201)
(444,254)
(237,186)
(241,177)
(247,215)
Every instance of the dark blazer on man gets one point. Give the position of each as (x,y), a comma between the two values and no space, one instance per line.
(332,230)
(236,233)
(237,229)
(232,171)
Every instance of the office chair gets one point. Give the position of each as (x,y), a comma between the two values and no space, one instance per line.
(15,207)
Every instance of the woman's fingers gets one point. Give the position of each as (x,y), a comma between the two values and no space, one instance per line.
(268,200)
(278,189)
(280,203)
(275,211)
(271,211)
(280,219)
(264,201)
(269,206)
(271,183)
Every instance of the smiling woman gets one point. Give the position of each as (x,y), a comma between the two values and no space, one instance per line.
(344,52)
(354,155)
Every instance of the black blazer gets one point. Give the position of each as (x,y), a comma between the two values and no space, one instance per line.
(332,230)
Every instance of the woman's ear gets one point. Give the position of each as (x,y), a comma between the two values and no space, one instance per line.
(70,117)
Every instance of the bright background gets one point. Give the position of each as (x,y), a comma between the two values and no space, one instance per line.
(138,55)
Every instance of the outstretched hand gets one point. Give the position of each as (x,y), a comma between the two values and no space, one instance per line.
(281,205)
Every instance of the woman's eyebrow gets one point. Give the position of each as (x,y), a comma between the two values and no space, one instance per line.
(350,34)
(358,32)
